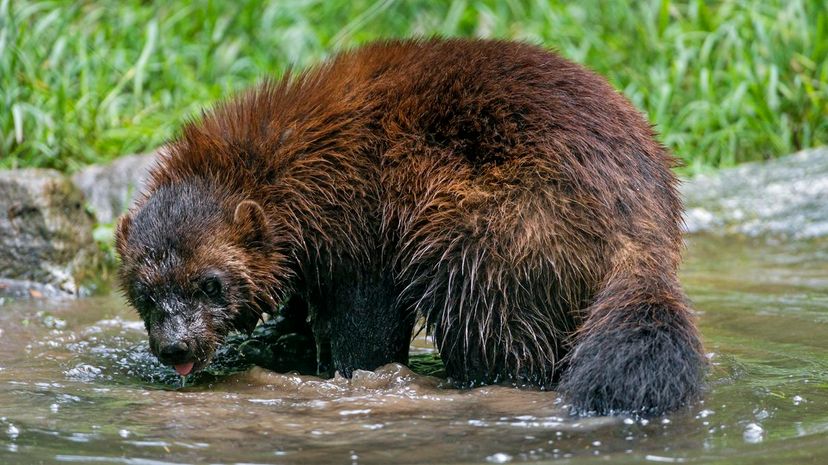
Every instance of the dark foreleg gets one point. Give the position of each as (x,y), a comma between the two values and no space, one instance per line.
(285,342)
(365,326)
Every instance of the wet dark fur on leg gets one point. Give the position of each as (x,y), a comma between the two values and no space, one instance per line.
(507,196)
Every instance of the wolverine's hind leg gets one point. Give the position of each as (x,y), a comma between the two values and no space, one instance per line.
(500,322)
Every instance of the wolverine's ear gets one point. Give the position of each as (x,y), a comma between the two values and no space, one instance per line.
(252,222)
(122,233)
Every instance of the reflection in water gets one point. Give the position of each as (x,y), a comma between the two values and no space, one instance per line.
(77,385)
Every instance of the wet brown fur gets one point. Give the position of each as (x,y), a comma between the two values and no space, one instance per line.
(511,198)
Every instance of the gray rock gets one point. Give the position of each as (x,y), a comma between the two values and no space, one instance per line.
(110,188)
(45,233)
(21,288)
(786,198)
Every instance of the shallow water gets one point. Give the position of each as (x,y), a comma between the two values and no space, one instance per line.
(76,385)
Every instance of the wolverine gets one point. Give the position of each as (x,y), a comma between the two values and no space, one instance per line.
(510,200)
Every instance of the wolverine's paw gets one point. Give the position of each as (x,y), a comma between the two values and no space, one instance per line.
(282,346)
(636,369)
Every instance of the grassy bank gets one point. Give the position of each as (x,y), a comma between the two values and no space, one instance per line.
(86,81)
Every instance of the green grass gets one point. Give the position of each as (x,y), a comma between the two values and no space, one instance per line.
(725,82)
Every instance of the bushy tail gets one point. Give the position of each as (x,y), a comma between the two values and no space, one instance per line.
(638,351)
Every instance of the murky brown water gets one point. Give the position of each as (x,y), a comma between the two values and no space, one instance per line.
(77,386)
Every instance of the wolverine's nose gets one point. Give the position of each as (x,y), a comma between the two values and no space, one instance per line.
(177,352)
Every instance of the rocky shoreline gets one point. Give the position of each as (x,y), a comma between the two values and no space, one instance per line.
(47,219)
(48,222)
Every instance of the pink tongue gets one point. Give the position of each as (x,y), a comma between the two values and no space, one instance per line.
(184,369)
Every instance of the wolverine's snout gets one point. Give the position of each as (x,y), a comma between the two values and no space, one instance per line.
(171,337)
(175,353)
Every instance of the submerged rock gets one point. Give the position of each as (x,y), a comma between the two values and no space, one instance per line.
(110,188)
(45,234)
(785,197)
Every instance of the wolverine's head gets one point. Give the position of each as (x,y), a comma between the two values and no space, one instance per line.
(192,260)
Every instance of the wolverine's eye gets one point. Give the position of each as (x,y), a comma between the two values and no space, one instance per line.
(142,300)
(211,286)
